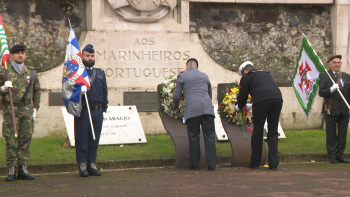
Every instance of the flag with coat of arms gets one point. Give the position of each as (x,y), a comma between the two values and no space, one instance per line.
(74,76)
(306,76)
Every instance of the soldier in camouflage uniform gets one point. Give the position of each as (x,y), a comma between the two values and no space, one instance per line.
(25,86)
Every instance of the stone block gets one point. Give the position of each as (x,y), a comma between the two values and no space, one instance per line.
(265,16)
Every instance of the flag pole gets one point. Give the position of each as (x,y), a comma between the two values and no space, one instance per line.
(11,102)
(87,102)
(88,108)
(341,95)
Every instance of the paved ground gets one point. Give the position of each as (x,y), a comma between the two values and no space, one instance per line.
(302,179)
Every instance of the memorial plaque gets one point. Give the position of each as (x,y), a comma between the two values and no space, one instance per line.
(55,99)
(121,125)
(144,101)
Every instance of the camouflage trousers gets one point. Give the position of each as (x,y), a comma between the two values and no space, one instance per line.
(17,148)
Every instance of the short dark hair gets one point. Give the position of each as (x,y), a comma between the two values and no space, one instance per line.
(192,59)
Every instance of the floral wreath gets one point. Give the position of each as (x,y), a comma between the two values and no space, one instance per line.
(167,90)
(227,110)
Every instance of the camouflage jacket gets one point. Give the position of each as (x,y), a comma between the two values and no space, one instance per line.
(20,83)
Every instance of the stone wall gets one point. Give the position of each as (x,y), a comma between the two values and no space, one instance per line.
(42,26)
(266,34)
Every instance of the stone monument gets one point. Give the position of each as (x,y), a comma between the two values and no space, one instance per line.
(139,46)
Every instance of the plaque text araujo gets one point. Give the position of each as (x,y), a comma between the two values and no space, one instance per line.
(144,101)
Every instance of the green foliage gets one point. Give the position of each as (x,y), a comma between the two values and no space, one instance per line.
(307,141)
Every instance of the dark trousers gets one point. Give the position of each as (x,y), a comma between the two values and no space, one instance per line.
(193,130)
(336,143)
(85,146)
(269,109)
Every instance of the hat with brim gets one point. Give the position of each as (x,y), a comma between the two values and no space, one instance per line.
(242,66)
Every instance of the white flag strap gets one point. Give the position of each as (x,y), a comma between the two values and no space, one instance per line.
(88,108)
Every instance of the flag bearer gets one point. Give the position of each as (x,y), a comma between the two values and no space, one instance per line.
(25,86)
(85,146)
(336,111)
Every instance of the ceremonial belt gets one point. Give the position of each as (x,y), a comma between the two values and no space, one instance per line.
(92,108)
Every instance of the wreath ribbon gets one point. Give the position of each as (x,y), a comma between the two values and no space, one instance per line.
(244,124)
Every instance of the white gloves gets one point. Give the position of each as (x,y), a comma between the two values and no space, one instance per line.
(34,113)
(104,115)
(236,107)
(6,86)
(83,89)
(249,106)
(334,87)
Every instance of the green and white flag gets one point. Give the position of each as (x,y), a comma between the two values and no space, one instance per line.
(306,76)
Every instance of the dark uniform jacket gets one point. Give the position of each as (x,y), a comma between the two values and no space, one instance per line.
(259,85)
(338,105)
(20,82)
(98,93)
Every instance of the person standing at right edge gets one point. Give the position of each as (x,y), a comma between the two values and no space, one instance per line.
(336,111)
(267,104)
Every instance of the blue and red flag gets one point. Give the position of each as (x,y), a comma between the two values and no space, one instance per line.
(74,76)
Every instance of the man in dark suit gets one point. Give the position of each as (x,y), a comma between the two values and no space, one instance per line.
(339,113)
(85,146)
(199,111)
(267,104)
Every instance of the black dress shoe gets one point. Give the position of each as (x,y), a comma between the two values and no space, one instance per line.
(92,170)
(194,168)
(271,168)
(23,173)
(82,170)
(342,160)
(12,174)
(254,167)
(211,169)
(333,160)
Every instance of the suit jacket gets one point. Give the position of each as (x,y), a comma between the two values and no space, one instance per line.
(338,105)
(198,94)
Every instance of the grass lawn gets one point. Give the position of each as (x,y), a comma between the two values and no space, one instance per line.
(50,149)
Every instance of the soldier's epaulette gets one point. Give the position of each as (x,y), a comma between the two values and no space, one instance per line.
(31,67)
(100,69)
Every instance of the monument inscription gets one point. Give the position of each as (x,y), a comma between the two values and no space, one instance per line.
(143,57)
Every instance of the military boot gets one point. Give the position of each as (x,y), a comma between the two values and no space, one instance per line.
(93,171)
(23,173)
(82,169)
(12,174)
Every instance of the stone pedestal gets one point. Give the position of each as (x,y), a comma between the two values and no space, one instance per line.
(177,131)
(241,148)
